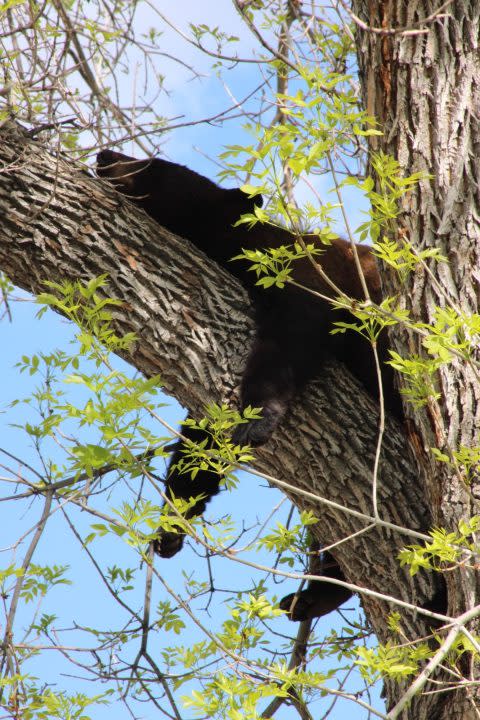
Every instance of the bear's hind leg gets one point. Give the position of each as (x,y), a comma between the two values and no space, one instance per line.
(319,598)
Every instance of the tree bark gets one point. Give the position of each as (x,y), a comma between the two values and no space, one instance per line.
(194,326)
(424,88)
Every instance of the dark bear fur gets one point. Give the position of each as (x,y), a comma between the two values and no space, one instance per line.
(293,326)
(318,598)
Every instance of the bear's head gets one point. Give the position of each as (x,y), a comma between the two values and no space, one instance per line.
(180,199)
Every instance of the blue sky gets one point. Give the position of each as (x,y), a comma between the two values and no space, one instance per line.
(86,602)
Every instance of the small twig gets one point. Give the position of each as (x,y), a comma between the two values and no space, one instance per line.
(7,638)
(397,31)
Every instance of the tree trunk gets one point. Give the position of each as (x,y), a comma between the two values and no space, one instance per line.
(194,323)
(424,89)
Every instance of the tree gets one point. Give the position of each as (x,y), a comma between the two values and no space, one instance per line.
(57,225)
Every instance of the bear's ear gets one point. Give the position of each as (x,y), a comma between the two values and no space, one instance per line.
(121,169)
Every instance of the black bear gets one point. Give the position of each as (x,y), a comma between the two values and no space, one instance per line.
(293,326)
(318,598)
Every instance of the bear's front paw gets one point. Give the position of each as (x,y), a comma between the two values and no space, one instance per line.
(258,432)
(168,544)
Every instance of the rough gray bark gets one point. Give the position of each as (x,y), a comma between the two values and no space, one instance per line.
(194,327)
(424,88)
